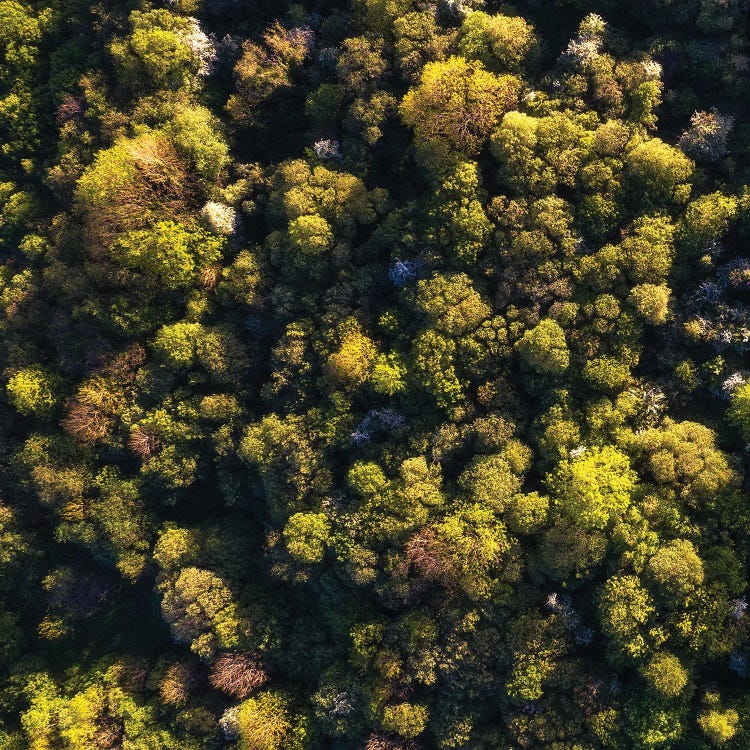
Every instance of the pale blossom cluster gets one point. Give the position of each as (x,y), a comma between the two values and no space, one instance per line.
(384,420)
(730,385)
(220,218)
(327,149)
(403,271)
(328,57)
(303,36)
(230,724)
(341,705)
(583,50)
(739,608)
(461,8)
(202,46)
(562,607)
(653,401)
(652,68)
(738,664)
(587,46)
(706,138)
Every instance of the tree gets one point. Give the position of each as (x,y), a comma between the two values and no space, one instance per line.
(719,726)
(157,51)
(132,184)
(607,374)
(266,69)
(196,134)
(434,365)
(101,708)
(379,15)
(657,174)
(22,36)
(647,251)
(456,104)
(341,199)
(527,513)
(168,256)
(164,444)
(240,280)
(361,64)
(456,220)
(93,412)
(388,511)
(419,40)
(676,568)
(568,552)
(114,525)
(451,303)
(237,674)
(310,234)
(177,684)
(683,455)
(706,139)
(739,410)
(289,463)
(405,719)
(666,674)
(625,609)
(176,344)
(352,363)
(651,301)
(264,722)
(32,391)
(490,482)
(500,43)
(535,648)
(465,550)
(201,611)
(538,153)
(306,536)
(706,220)
(176,548)
(388,374)
(544,348)
(594,488)
(654,723)
(366,478)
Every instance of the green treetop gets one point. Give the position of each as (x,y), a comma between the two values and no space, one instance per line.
(595,487)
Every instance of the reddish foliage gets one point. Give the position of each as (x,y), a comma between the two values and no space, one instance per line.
(71,108)
(237,674)
(142,443)
(381,742)
(428,555)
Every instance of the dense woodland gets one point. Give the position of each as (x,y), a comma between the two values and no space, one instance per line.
(374,375)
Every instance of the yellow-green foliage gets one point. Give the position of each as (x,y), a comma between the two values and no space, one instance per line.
(595,487)
(167,255)
(544,349)
(499,42)
(156,51)
(306,535)
(405,719)
(32,391)
(456,105)
(264,722)
(666,674)
(719,726)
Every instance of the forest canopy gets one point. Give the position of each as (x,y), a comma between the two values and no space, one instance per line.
(374,375)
